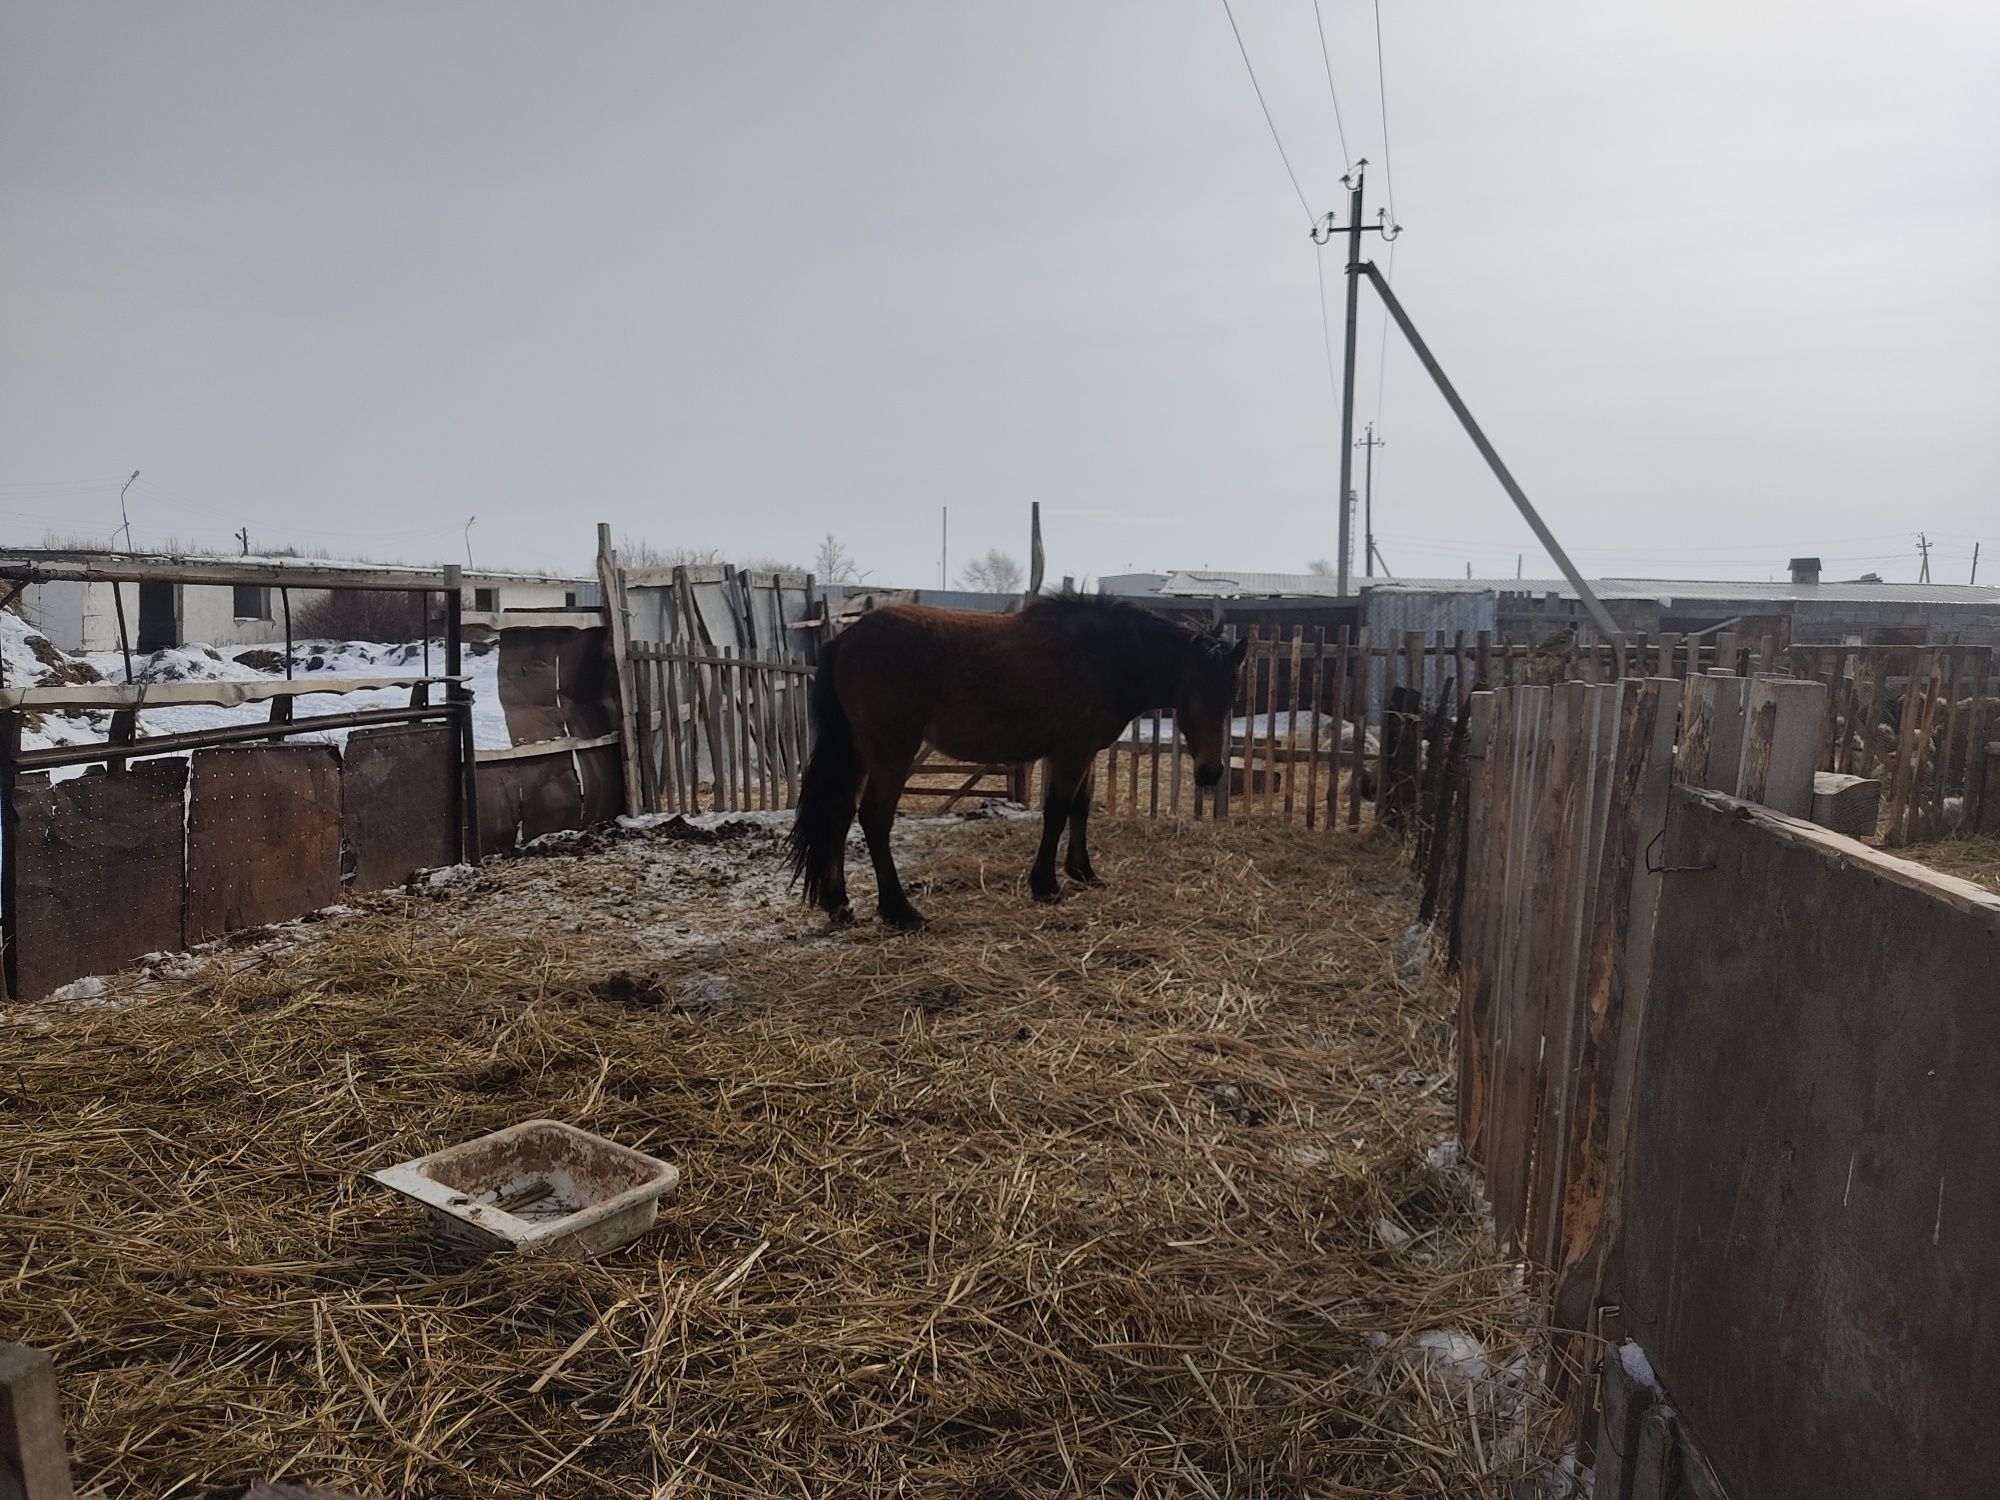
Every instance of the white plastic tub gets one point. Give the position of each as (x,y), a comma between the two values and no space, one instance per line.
(540,1187)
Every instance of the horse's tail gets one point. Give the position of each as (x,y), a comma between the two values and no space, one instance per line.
(828,791)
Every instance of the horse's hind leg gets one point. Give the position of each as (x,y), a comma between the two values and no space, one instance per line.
(878,814)
(1076,859)
(1066,777)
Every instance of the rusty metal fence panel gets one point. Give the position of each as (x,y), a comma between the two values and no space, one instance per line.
(263,836)
(100,872)
(396,803)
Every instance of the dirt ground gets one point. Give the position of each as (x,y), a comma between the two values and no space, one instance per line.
(1141,1194)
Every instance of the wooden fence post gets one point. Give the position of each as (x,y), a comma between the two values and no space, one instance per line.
(34,1462)
(1712,739)
(611,583)
(1781,743)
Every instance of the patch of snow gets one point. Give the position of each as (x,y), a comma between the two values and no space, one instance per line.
(90,987)
(449,875)
(1453,1353)
(1392,1235)
(1638,1368)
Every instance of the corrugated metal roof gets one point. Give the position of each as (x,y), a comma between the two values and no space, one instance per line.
(1718,589)
(1209,583)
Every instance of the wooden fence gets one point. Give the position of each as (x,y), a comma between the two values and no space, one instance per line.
(1916,718)
(1329,733)
(723,730)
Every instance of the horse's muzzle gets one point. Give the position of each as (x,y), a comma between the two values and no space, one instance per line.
(1207,776)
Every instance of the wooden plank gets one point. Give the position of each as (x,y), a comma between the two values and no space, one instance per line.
(140,695)
(1316,668)
(1132,767)
(618,616)
(720,744)
(1475,900)
(1517,1011)
(1363,669)
(1585,806)
(667,696)
(1781,743)
(1975,743)
(1153,780)
(1111,773)
(1269,683)
(1623,1402)
(1837,707)
(1947,737)
(1483,660)
(34,1462)
(1174,774)
(647,718)
(1336,705)
(1637,756)
(1506,770)
(1292,722)
(535,749)
(1712,744)
(1902,781)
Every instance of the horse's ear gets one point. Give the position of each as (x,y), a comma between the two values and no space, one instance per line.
(1239,651)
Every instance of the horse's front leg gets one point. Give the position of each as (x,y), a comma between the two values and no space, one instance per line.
(1076,859)
(1065,778)
(878,815)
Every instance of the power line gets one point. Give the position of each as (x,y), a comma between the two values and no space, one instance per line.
(1346,156)
(1245,51)
(1325,328)
(1382,94)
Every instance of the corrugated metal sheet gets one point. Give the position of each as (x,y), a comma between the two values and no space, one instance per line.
(994,604)
(1208,583)
(1722,590)
(1391,612)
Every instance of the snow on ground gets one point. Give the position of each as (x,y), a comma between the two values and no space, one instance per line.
(30,660)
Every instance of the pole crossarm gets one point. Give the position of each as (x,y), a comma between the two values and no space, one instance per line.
(1598,615)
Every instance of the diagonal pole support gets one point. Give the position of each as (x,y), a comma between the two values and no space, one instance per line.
(1598,615)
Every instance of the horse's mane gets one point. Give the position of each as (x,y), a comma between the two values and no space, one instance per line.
(1108,607)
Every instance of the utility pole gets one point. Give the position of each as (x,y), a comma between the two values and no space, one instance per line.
(1371,443)
(944,540)
(1347,367)
(1323,233)
(1975,564)
(1924,547)
(243,536)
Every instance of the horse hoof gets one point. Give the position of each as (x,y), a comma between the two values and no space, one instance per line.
(1050,896)
(840,916)
(906,920)
(1095,882)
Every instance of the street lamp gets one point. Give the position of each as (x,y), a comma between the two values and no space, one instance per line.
(122,511)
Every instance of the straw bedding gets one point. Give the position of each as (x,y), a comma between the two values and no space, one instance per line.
(1137,1195)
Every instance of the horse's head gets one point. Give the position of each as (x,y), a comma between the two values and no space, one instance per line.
(1208,690)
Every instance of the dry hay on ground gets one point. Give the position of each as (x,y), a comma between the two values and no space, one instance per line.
(1974,858)
(1135,1195)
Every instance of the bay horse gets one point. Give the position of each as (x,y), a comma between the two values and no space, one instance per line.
(1056,682)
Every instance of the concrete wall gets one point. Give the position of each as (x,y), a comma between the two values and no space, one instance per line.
(83,617)
(1812,1233)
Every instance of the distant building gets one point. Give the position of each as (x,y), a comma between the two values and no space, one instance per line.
(80,615)
(1802,609)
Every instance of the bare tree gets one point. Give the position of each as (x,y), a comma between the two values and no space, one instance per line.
(833,564)
(1319,567)
(637,552)
(995,573)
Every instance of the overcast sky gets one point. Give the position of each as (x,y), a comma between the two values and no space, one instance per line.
(1722,281)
